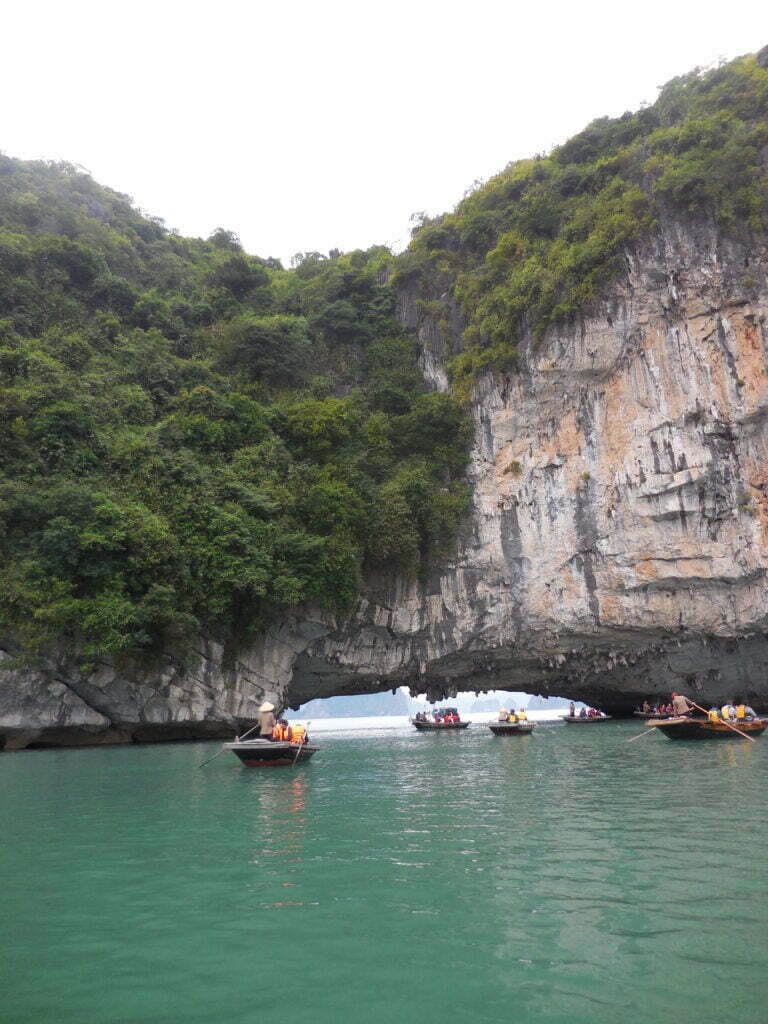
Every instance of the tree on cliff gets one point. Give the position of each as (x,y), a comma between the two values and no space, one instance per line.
(194,440)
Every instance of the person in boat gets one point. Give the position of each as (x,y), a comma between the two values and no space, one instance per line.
(512,717)
(280,731)
(713,715)
(728,711)
(521,716)
(503,714)
(646,707)
(266,720)
(681,706)
(297,734)
(583,713)
(744,713)
(592,713)
(572,710)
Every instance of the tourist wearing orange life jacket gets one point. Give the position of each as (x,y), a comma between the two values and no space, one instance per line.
(297,734)
(280,731)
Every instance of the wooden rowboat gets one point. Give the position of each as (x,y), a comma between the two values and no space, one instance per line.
(685,728)
(511,728)
(578,720)
(266,754)
(439,726)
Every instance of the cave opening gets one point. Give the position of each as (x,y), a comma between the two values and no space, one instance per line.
(399,704)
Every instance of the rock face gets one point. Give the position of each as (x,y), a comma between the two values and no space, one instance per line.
(618,544)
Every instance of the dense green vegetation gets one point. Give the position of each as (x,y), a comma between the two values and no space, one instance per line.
(193,440)
(536,243)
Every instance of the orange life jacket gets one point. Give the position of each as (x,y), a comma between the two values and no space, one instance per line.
(298,734)
(741,711)
(279,732)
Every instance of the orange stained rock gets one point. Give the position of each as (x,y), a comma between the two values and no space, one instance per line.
(750,363)
(646,570)
(611,609)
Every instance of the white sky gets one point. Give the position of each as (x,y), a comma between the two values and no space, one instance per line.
(314,125)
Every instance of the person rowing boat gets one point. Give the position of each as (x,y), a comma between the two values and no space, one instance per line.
(681,706)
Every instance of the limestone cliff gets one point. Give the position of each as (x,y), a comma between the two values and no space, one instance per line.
(618,541)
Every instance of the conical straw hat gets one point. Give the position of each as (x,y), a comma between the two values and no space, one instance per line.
(266,706)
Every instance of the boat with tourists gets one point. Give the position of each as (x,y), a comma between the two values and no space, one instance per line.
(511,728)
(700,728)
(587,719)
(444,719)
(264,753)
(511,722)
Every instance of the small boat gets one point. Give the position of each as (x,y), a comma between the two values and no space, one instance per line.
(578,720)
(651,714)
(266,753)
(685,728)
(511,728)
(438,726)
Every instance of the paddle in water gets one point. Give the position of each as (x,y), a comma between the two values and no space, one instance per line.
(238,738)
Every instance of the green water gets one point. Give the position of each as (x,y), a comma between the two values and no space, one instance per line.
(566,876)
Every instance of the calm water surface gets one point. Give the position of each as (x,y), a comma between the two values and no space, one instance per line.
(398,877)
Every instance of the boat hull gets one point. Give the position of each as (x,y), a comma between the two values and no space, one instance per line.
(576,720)
(511,728)
(440,726)
(703,729)
(265,754)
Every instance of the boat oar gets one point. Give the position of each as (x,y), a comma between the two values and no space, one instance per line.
(211,759)
(724,721)
(640,735)
(238,738)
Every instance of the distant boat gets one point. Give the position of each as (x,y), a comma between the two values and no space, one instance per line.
(266,753)
(438,726)
(684,728)
(511,728)
(651,714)
(578,720)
